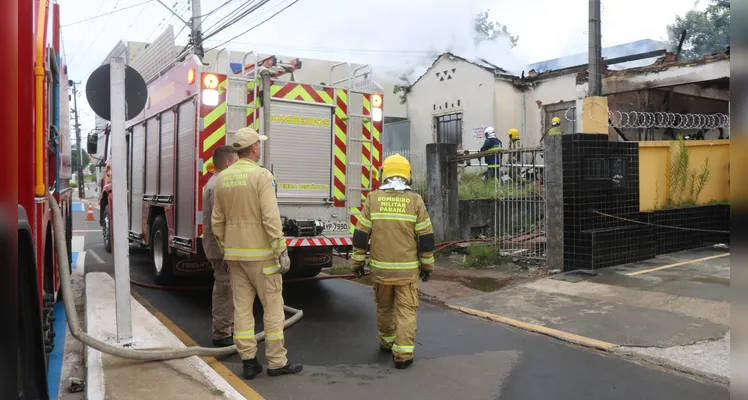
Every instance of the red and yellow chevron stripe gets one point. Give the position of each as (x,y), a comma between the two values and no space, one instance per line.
(370,153)
(301,92)
(212,135)
(340,133)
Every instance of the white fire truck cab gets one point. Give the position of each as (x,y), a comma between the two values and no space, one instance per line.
(324,149)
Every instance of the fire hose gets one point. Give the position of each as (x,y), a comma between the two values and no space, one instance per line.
(135,354)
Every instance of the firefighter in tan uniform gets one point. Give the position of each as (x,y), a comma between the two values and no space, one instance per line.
(395,220)
(223,303)
(246,222)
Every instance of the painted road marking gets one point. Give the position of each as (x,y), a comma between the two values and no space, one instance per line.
(78,206)
(565,336)
(86,230)
(678,264)
(76,246)
(233,380)
(54,370)
(97,258)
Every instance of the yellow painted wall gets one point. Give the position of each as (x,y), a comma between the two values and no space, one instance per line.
(654,161)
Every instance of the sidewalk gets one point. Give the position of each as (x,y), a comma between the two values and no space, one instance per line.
(673,310)
(109,377)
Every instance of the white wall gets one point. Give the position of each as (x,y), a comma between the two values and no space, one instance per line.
(470,91)
(546,91)
(508,111)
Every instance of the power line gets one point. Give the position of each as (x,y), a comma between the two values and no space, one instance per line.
(235,19)
(103,15)
(98,35)
(137,17)
(260,24)
(231,15)
(75,53)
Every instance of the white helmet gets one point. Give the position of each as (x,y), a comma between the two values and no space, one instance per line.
(489,132)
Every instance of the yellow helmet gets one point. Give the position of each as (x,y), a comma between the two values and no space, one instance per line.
(396,165)
(513,133)
(556,120)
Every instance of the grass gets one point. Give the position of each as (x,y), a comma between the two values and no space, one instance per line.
(473,186)
(482,255)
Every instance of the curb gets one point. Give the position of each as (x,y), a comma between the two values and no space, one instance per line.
(565,336)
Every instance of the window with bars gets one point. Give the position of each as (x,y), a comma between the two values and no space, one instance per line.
(449,129)
(559,110)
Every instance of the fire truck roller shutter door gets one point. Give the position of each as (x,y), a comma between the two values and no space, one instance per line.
(166,180)
(152,162)
(301,156)
(185,169)
(136,192)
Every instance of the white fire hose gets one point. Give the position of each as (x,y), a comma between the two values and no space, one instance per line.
(135,354)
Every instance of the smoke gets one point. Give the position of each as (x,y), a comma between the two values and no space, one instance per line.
(399,38)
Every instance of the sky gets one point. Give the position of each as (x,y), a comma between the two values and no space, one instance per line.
(395,36)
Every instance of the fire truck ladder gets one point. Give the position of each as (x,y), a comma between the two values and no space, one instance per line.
(251,67)
(358,81)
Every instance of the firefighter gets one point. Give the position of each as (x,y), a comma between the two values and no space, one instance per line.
(555,128)
(493,161)
(247,225)
(513,138)
(395,220)
(223,303)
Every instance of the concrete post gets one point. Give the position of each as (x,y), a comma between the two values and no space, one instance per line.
(554,196)
(441,184)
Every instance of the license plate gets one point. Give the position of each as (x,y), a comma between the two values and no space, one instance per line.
(336,226)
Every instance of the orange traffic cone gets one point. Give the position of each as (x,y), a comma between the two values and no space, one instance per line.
(90,214)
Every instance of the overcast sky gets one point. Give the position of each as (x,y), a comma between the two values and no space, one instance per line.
(394,35)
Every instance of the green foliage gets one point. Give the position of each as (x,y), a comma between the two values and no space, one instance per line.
(74,155)
(707,32)
(490,30)
(481,255)
(685,185)
(473,186)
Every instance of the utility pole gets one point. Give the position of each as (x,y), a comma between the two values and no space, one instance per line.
(197,35)
(81,184)
(595,50)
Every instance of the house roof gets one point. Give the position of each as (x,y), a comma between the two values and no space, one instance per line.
(482,63)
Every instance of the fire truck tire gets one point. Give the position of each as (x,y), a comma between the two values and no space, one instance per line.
(303,272)
(32,358)
(160,256)
(106,230)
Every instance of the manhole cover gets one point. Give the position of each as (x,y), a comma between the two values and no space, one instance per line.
(574,276)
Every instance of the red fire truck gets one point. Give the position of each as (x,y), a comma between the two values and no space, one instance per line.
(44,167)
(324,150)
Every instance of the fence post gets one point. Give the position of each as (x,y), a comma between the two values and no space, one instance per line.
(554,196)
(441,185)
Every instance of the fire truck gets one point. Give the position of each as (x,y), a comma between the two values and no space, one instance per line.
(44,167)
(324,149)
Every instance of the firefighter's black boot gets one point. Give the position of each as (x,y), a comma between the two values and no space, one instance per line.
(290,368)
(251,368)
(403,364)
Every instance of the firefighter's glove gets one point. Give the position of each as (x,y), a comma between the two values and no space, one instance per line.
(358,270)
(285,262)
(425,275)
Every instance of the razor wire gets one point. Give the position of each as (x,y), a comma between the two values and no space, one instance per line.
(658,119)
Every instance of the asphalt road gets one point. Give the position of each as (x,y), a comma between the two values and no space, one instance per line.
(457,356)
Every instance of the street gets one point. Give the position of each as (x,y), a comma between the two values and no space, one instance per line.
(457,356)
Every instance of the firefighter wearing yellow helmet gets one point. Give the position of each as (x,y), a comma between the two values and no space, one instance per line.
(513,138)
(394,220)
(555,128)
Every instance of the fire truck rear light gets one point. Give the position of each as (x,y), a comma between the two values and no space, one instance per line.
(376,114)
(210,81)
(210,97)
(376,101)
(191,76)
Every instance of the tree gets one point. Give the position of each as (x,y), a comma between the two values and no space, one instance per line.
(86,159)
(707,32)
(490,30)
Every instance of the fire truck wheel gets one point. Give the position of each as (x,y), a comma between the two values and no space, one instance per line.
(162,260)
(106,228)
(32,368)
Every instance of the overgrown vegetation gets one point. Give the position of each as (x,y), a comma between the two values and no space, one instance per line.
(685,184)
(481,255)
(707,31)
(473,186)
